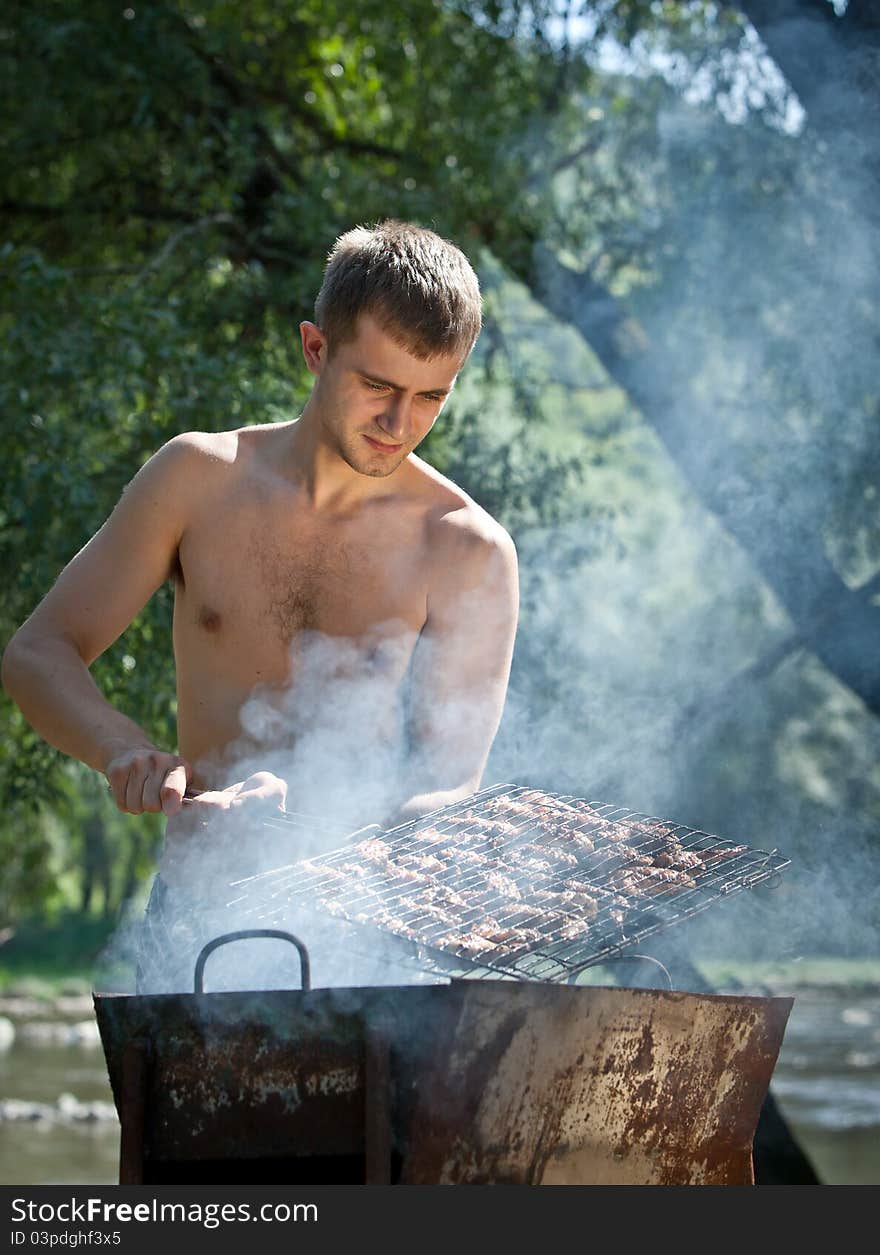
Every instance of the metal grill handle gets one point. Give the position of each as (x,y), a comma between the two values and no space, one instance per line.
(241,935)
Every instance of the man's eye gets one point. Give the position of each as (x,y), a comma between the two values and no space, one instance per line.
(376,387)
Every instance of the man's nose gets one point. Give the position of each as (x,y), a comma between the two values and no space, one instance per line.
(395,419)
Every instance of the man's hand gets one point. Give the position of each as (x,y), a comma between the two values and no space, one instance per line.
(262,791)
(218,836)
(146,779)
(424,804)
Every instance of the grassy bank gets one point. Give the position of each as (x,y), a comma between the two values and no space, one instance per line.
(44,960)
(812,971)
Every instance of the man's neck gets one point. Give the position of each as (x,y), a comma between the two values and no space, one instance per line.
(326,478)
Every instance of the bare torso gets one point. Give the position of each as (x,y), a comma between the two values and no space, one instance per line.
(288,620)
(294,630)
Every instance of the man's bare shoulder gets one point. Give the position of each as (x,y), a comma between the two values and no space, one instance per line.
(204,448)
(192,460)
(257,446)
(458,529)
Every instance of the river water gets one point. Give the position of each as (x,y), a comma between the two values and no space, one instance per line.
(827,1082)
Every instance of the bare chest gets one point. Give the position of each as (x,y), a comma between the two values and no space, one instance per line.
(256,585)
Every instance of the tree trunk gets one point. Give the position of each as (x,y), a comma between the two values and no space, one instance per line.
(839,624)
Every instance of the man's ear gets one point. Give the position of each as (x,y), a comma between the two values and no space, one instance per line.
(314,346)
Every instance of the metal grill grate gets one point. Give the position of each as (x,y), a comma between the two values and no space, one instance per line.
(515,882)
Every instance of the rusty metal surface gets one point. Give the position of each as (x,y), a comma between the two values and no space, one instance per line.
(238,1076)
(606,1086)
(498,1081)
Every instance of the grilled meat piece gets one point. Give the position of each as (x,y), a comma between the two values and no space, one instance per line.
(581,843)
(374,850)
(421,910)
(586,904)
(449,897)
(512,808)
(493,827)
(558,856)
(422,862)
(517,937)
(482,840)
(470,943)
(562,899)
(722,852)
(431,836)
(387,919)
(523,861)
(356,869)
(488,928)
(469,858)
(328,872)
(634,859)
(574,928)
(396,872)
(487,935)
(678,858)
(503,885)
(639,880)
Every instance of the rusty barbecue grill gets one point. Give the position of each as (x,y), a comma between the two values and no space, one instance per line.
(467,1082)
(517,1079)
(512,882)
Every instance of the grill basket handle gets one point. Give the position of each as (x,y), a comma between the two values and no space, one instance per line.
(246,933)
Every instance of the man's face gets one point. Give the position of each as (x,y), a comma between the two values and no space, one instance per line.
(376,401)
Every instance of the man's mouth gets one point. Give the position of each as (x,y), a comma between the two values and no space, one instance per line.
(383,448)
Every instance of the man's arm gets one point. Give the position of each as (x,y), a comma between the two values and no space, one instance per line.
(46,664)
(461,666)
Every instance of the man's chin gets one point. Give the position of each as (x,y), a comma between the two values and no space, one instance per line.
(378,467)
(380,472)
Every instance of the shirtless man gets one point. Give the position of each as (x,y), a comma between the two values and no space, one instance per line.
(344,615)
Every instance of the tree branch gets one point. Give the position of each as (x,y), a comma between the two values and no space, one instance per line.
(172,242)
(837,623)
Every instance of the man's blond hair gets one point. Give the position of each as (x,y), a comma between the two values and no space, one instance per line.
(420,288)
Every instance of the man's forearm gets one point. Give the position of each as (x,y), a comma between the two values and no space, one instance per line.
(52,687)
(423,803)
